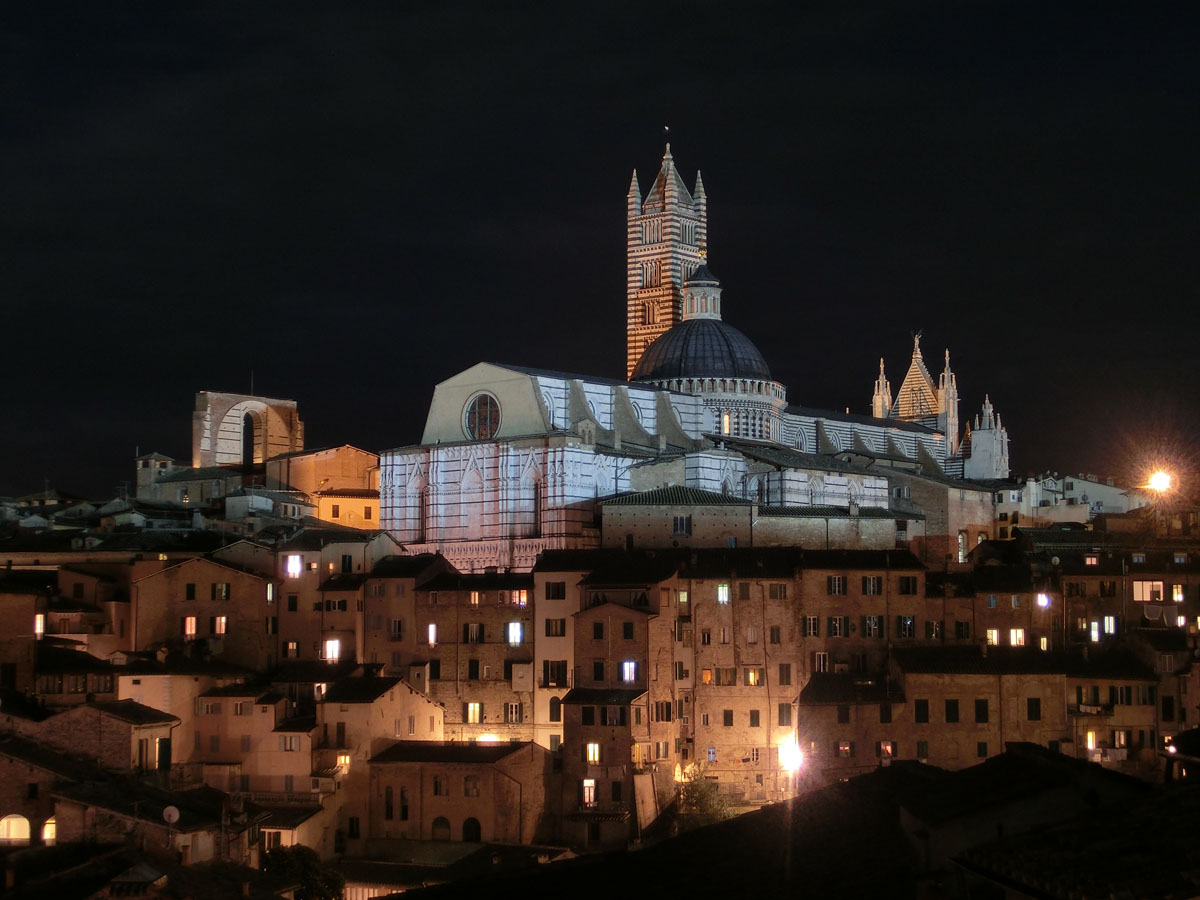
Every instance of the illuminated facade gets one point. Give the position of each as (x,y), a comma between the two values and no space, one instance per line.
(513,459)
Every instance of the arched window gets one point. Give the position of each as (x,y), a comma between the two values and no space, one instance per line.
(14,830)
(441,829)
(555,709)
(472,830)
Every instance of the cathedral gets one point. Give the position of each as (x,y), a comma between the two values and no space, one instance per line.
(517,460)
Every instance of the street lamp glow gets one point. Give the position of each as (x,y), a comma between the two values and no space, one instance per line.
(790,757)
(1160,481)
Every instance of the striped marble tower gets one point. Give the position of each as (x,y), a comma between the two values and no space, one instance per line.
(666,240)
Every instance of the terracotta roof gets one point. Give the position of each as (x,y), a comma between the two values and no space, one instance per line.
(447,752)
(972,660)
(674,495)
(135,713)
(603,696)
(824,687)
(359,690)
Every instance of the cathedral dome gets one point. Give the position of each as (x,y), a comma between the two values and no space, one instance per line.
(702,348)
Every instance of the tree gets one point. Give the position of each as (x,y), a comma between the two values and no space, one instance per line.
(700,803)
(302,866)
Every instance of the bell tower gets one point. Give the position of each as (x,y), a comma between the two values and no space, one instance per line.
(666,240)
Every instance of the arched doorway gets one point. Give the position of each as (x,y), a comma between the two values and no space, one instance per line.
(441,829)
(14,830)
(472,830)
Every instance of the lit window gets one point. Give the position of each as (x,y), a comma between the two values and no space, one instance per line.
(343,760)
(1091,740)
(1110,624)
(1043,600)
(629,671)
(993,636)
(189,627)
(295,565)
(1043,643)
(432,634)
(520,598)
(333,649)
(886,749)
(514,634)
(1181,621)
(1177,593)
(723,593)
(1095,631)
(1016,637)
(845,749)
(270,594)
(589,792)
(474,713)
(725,423)
(219,624)
(1091,560)
(593,752)
(474,598)
(39,624)
(1148,591)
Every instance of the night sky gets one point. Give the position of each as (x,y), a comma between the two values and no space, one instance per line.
(357,202)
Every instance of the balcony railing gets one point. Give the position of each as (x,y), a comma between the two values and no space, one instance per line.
(604,807)
(1090,709)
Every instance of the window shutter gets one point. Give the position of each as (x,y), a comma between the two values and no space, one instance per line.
(864,627)
(845,626)
(829,625)
(465,713)
(466,632)
(879,748)
(836,749)
(899,626)
(481,718)
(804,626)
(852,749)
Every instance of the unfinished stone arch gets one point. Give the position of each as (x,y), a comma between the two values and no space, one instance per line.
(221,424)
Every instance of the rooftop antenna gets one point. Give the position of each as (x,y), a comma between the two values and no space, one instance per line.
(251,382)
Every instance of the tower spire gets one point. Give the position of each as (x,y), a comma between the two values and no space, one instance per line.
(881,401)
(666,234)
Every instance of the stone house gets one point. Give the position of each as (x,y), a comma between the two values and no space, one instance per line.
(491,792)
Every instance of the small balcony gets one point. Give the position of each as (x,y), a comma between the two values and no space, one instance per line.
(1090,709)
(612,811)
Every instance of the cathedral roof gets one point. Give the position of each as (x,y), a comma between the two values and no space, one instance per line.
(702,348)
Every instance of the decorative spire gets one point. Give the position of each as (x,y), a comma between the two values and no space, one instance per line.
(699,185)
(667,154)
(881,400)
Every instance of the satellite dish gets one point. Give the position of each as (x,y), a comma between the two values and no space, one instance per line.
(171,815)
